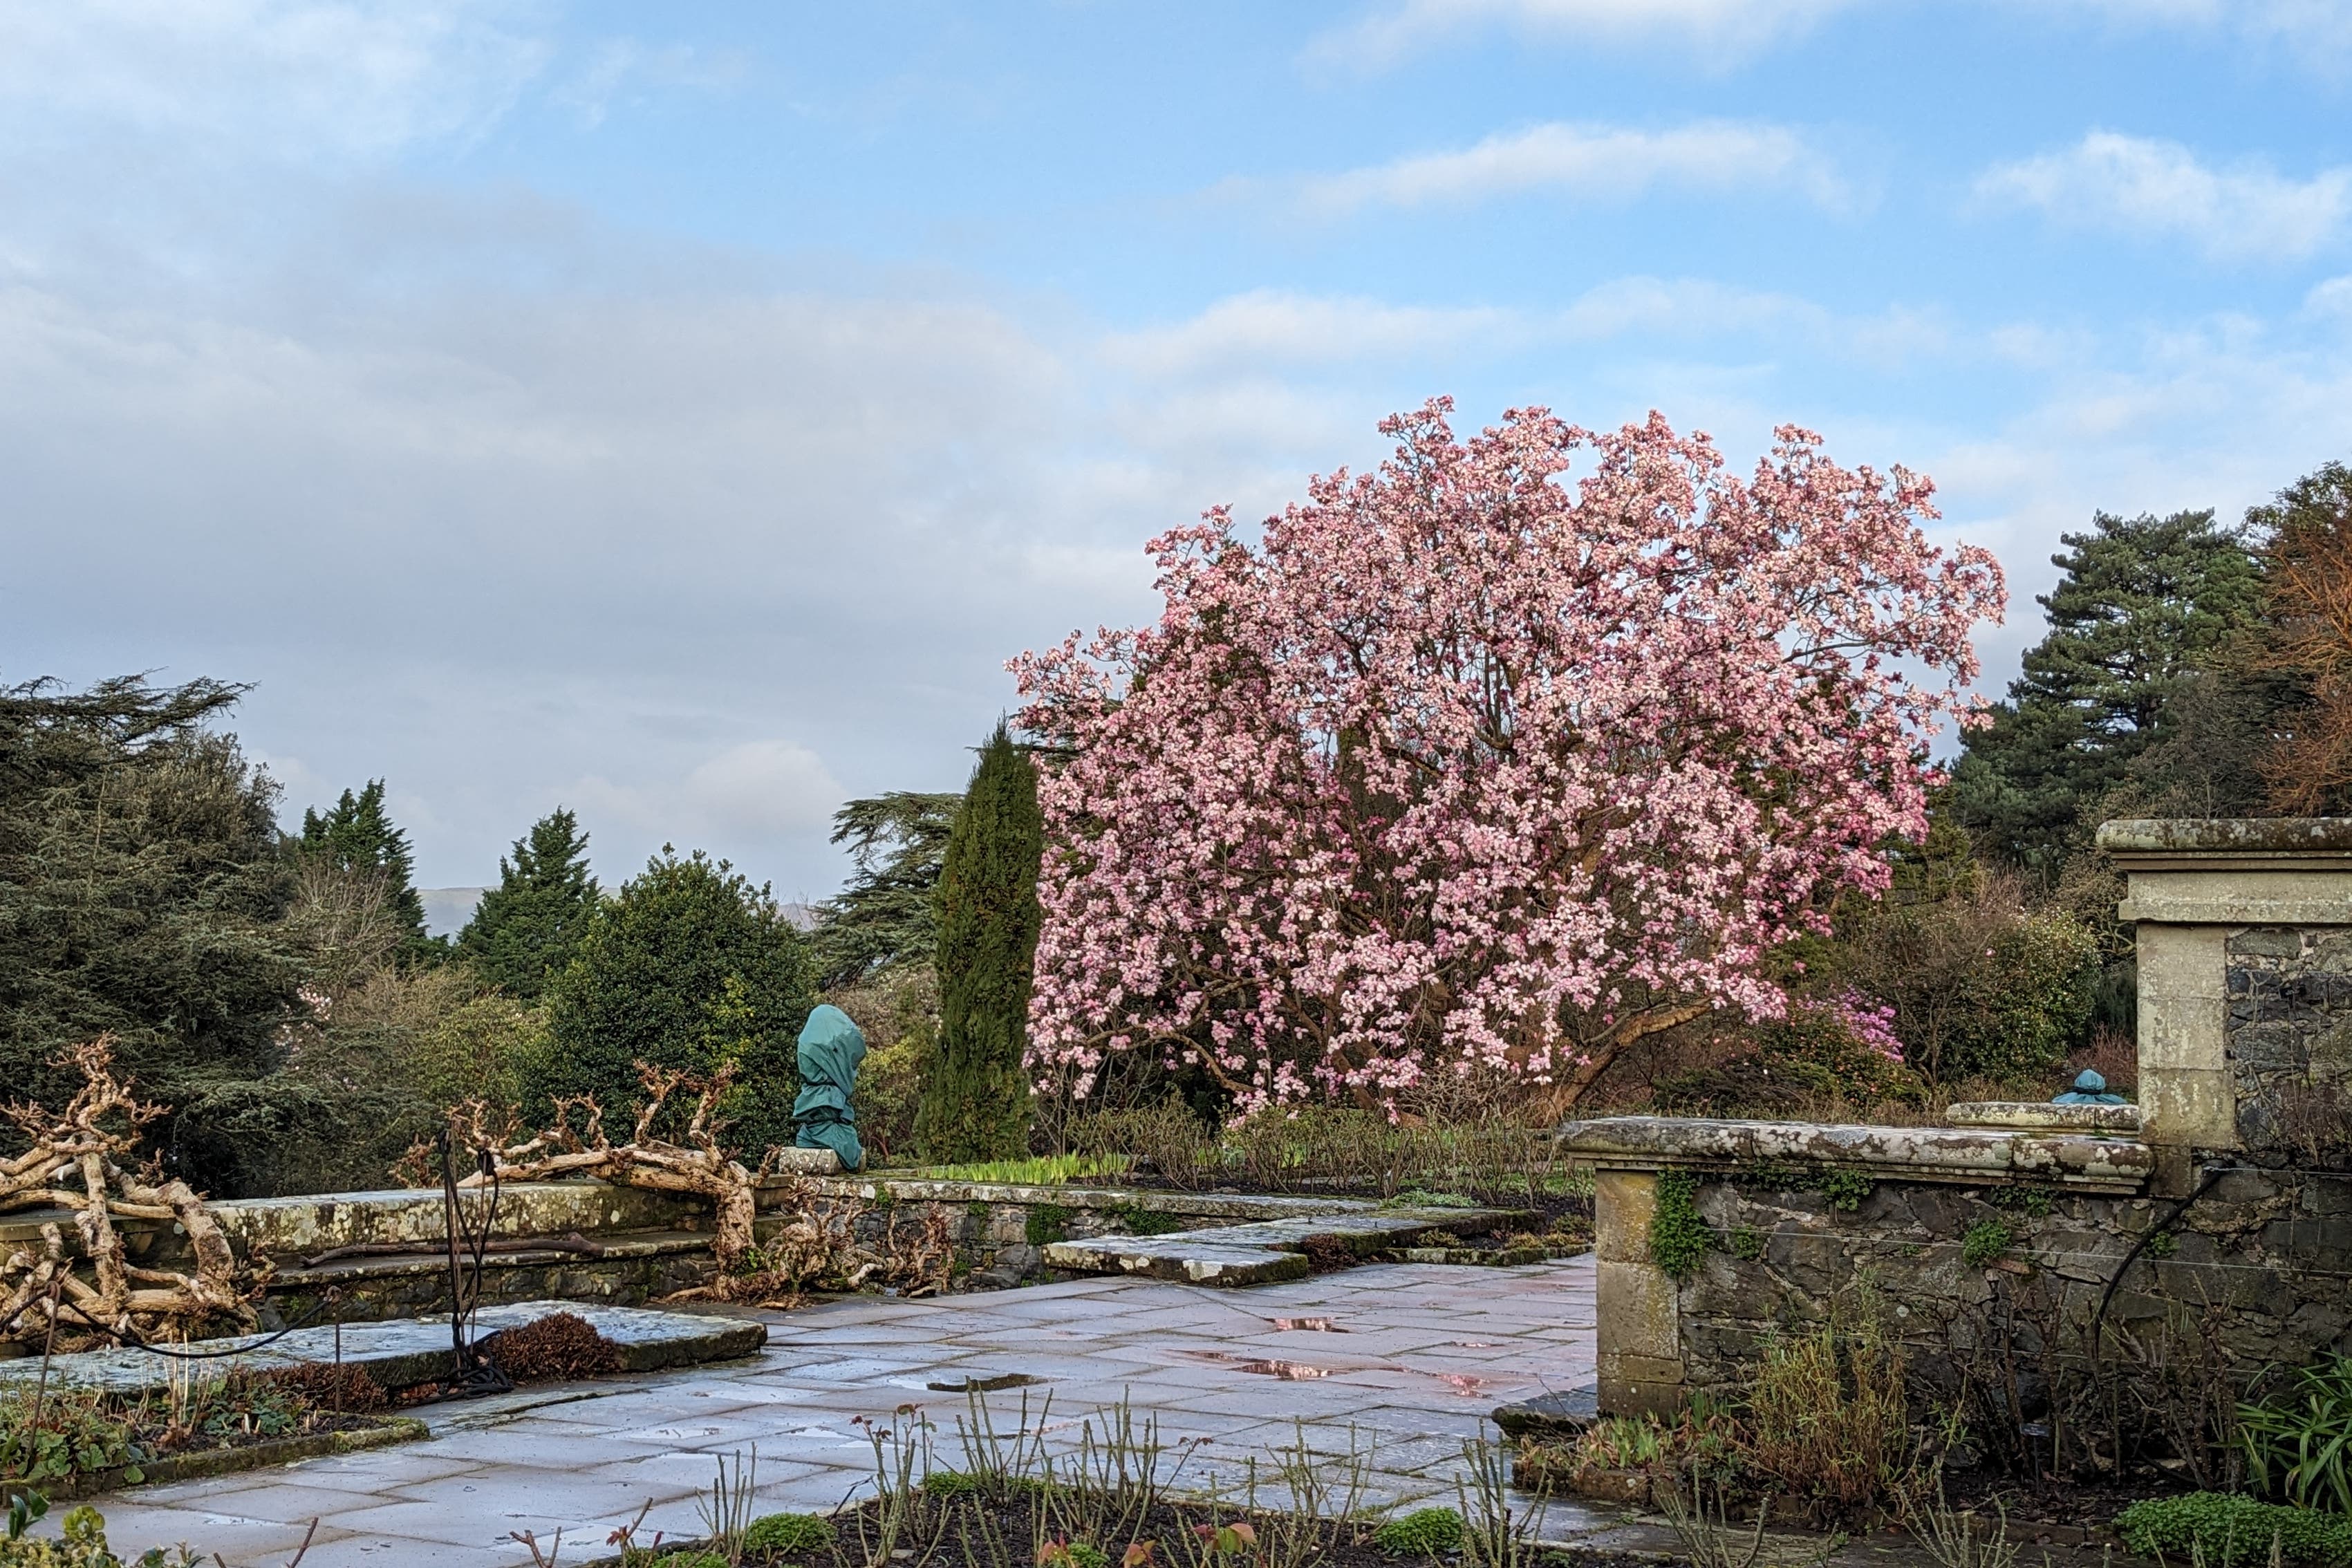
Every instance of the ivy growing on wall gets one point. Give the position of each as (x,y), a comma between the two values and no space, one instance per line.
(1679,1239)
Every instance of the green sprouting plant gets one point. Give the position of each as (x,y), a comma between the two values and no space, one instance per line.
(2163,1244)
(792,1534)
(1047,1223)
(1679,1239)
(1623,1442)
(1423,1532)
(1745,1243)
(1140,1221)
(693,1557)
(2298,1442)
(2226,1530)
(1845,1189)
(65,1435)
(1422,1198)
(1986,1244)
(1039,1171)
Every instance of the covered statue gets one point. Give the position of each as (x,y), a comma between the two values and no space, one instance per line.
(831,1047)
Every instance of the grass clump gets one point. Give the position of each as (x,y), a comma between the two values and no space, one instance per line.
(790,1535)
(1038,1171)
(2225,1530)
(2298,1442)
(1423,1532)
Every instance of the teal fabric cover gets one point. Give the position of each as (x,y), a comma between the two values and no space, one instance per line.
(831,1048)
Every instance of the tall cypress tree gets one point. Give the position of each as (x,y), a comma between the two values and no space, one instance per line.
(528,926)
(975,1103)
(356,835)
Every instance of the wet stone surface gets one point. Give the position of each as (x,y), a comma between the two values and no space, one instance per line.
(1412,1361)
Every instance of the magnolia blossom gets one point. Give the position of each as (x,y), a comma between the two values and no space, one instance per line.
(1507,753)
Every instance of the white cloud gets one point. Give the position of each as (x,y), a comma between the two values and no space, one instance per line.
(1589,160)
(288,78)
(1716,31)
(1269,326)
(2318,30)
(2161,190)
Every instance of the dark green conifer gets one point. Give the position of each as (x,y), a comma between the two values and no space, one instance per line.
(528,926)
(975,1103)
(356,835)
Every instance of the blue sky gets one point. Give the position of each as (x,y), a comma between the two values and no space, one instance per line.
(681,412)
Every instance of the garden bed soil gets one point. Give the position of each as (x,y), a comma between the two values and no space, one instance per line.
(975,1526)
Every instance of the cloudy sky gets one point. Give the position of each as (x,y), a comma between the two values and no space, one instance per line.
(681,412)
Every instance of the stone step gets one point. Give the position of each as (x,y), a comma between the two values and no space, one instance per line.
(1270,1250)
(1558,1415)
(401,1352)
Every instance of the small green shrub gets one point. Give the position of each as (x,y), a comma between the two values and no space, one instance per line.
(1986,1244)
(1141,1221)
(2033,1202)
(790,1535)
(1423,1532)
(941,1483)
(1623,1442)
(1845,1189)
(693,1558)
(2298,1442)
(2226,1530)
(1745,1243)
(1679,1239)
(78,1434)
(1047,1223)
(2163,1244)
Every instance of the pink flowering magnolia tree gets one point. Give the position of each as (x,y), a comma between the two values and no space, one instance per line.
(1474,759)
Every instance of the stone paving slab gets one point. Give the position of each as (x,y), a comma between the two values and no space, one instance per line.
(586,1456)
(1266,1252)
(400,1352)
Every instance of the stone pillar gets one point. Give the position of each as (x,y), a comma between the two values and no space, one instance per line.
(2224,910)
(1641,1351)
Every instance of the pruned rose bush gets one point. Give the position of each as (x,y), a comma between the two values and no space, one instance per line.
(1511,750)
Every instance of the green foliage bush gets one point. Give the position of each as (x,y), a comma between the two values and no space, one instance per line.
(78,1434)
(2298,1442)
(1679,1239)
(1845,1189)
(1424,1533)
(692,967)
(790,1534)
(2227,1529)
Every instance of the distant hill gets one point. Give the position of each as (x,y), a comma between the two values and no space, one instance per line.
(446,910)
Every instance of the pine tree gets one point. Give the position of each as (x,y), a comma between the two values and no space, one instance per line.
(2145,611)
(975,1103)
(356,835)
(529,925)
(889,912)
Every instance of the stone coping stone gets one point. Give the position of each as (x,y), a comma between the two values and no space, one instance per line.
(285,1227)
(2227,837)
(431,1260)
(1150,1200)
(2029,1114)
(1959,1155)
(1266,1252)
(1565,1414)
(401,1352)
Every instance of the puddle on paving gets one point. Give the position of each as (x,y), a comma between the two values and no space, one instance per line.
(1288,1371)
(985,1384)
(1319,1325)
(1299,1372)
